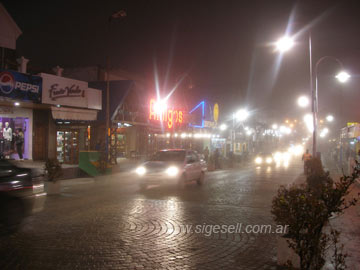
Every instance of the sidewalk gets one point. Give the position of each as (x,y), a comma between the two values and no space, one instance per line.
(69,171)
(348,223)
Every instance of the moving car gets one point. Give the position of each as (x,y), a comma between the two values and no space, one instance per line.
(172,166)
(21,194)
(264,158)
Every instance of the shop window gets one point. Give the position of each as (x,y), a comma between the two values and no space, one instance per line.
(8,127)
(67,146)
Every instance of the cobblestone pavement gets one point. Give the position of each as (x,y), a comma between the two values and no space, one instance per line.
(111,224)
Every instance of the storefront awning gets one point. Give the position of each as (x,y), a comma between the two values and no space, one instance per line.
(73,114)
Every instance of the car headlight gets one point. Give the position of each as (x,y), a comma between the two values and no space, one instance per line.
(140,170)
(172,171)
(258,160)
(269,160)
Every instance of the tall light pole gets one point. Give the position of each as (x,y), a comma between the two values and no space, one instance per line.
(240,116)
(342,77)
(116,15)
(285,44)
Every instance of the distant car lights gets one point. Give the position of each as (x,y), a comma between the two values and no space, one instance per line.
(140,170)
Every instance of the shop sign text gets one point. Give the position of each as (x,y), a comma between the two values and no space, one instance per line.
(67,91)
(171,117)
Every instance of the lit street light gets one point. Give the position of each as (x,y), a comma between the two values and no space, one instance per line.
(324,132)
(223,127)
(287,43)
(343,77)
(308,119)
(303,101)
(329,118)
(284,44)
(241,115)
(160,106)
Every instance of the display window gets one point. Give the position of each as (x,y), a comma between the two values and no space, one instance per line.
(14,137)
(71,138)
(67,146)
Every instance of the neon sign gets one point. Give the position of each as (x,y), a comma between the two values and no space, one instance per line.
(168,116)
(202,105)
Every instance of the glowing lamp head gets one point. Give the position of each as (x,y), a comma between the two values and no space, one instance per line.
(343,77)
(303,101)
(269,160)
(242,115)
(160,106)
(284,44)
(329,118)
(223,127)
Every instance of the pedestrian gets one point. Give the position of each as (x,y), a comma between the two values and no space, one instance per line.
(216,159)
(19,142)
(206,154)
(306,158)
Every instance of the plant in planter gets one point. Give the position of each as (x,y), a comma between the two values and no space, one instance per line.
(306,210)
(53,171)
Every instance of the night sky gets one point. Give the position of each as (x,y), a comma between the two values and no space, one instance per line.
(223,45)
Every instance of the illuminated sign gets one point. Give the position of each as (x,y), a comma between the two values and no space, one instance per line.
(162,113)
(349,124)
(202,106)
(216,112)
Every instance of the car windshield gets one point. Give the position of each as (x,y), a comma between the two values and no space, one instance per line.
(169,156)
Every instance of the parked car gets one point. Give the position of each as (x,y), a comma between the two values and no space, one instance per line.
(172,166)
(21,194)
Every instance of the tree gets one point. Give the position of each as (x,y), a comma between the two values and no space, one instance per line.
(306,210)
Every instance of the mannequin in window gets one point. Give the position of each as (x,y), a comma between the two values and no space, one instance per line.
(7,133)
(1,140)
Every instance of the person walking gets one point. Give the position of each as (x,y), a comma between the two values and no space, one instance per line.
(206,154)
(19,142)
(306,158)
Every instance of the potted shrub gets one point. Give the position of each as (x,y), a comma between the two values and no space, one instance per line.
(306,210)
(53,171)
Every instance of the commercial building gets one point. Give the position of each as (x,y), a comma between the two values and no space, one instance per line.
(67,120)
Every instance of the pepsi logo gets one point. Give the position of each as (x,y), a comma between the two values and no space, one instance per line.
(7,82)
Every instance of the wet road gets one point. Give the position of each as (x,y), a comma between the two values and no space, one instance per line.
(109,223)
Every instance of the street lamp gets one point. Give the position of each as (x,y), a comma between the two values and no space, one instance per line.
(223,127)
(303,101)
(329,118)
(241,115)
(284,44)
(343,77)
(117,15)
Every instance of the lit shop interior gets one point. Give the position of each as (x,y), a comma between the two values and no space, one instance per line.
(7,143)
(71,137)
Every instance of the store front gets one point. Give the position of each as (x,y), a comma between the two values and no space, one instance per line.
(70,139)
(11,120)
(18,93)
(74,108)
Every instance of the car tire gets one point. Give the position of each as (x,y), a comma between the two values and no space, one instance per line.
(201,179)
(12,214)
(181,182)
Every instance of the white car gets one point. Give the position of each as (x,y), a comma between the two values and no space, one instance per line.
(172,166)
